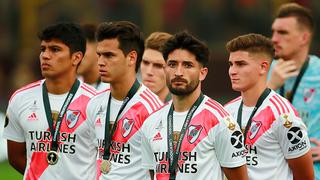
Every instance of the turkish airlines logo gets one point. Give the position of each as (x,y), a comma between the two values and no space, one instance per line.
(194,132)
(254,129)
(127,125)
(72,118)
(237,139)
(294,135)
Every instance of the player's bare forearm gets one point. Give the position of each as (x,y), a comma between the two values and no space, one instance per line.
(302,167)
(237,173)
(17,155)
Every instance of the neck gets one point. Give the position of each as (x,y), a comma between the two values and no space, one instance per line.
(59,86)
(300,58)
(162,94)
(120,89)
(250,97)
(184,103)
(91,76)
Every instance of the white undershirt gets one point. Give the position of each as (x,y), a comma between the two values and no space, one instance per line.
(114,109)
(56,101)
(246,113)
(178,120)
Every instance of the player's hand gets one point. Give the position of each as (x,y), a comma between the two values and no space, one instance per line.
(315,150)
(281,72)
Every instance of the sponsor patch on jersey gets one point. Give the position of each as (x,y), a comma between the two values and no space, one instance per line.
(308,94)
(6,121)
(127,125)
(287,123)
(237,139)
(98,122)
(32,117)
(295,135)
(254,129)
(72,118)
(157,137)
(230,123)
(194,132)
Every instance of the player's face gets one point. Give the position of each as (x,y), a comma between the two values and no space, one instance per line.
(244,70)
(90,59)
(287,37)
(152,70)
(113,64)
(183,72)
(55,59)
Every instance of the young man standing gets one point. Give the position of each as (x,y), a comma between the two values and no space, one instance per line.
(295,75)
(88,68)
(274,135)
(48,135)
(152,65)
(118,114)
(192,137)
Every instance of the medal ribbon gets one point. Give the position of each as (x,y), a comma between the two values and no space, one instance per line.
(262,97)
(296,83)
(107,134)
(55,131)
(174,155)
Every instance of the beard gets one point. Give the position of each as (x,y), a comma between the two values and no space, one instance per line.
(182,91)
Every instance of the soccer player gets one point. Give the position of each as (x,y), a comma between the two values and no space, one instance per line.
(46,128)
(295,75)
(275,137)
(152,65)
(118,114)
(88,68)
(192,137)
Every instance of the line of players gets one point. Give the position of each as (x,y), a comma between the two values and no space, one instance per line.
(164,127)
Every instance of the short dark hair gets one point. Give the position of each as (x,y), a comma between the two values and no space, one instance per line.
(156,40)
(69,33)
(252,43)
(89,31)
(303,15)
(128,34)
(184,40)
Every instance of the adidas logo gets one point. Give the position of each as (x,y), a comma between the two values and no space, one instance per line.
(157,137)
(98,122)
(32,117)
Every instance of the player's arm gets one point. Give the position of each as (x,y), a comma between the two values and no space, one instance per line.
(17,155)
(237,173)
(302,167)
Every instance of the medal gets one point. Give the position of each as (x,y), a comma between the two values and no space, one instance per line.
(105,166)
(52,157)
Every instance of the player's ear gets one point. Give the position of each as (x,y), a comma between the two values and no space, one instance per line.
(76,58)
(132,58)
(203,73)
(264,67)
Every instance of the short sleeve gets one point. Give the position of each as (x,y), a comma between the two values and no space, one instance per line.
(292,135)
(146,151)
(12,129)
(229,146)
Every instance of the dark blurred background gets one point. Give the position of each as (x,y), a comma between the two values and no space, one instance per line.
(214,21)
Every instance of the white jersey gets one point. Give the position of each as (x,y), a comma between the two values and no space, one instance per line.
(27,123)
(126,142)
(276,134)
(212,141)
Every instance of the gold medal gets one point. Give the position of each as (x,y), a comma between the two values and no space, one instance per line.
(52,157)
(105,166)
